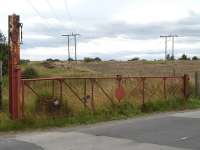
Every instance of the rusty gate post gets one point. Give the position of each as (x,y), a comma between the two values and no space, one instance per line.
(14,69)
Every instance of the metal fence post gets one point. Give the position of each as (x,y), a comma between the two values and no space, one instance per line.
(143,90)
(92,95)
(164,88)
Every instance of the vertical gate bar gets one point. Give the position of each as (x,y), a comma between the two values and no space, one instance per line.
(53,87)
(61,90)
(143,91)
(92,95)
(185,86)
(23,91)
(164,88)
(85,92)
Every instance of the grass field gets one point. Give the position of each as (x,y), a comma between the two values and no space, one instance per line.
(110,68)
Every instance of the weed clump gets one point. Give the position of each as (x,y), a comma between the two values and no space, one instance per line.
(30,73)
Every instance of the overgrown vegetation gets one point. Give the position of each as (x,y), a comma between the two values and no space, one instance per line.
(134,59)
(4,57)
(24,61)
(29,73)
(52,60)
(112,112)
(88,59)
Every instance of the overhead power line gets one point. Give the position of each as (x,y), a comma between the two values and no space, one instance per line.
(52,9)
(35,9)
(67,10)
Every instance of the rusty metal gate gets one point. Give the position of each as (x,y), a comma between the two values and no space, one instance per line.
(92,93)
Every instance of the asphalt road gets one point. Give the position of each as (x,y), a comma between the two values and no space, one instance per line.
(174,131)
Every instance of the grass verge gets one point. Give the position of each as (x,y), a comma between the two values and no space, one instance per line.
(115,112)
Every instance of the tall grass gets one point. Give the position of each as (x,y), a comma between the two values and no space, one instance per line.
(107,113)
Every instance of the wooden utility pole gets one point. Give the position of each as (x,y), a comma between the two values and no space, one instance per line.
(14,69)
(166,38)
(75,44)
(166,42)
(68,45)
(1,87)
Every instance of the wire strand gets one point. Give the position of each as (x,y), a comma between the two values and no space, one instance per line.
(52,9)
(35,9)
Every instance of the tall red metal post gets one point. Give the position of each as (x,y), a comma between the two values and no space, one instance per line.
(14,69)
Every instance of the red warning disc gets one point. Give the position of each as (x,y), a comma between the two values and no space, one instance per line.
(120,93)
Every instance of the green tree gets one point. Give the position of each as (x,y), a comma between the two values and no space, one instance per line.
(195,58)
(4,53)
(184,57)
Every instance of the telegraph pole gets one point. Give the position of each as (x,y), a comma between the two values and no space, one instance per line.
(173,42)
(75,44)
(68,43)
(166,42)
(166,38)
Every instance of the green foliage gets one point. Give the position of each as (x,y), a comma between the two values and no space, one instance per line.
(29,73)
(110,112)
(4,57)
(2,38)
(97,59)
(52,60)
(184,57)
(88,59)
(195,58)
(134,59)
(24,61)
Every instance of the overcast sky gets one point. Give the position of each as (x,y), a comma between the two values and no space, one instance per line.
(110,29)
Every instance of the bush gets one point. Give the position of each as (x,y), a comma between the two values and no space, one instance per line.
(4,57)
(88,59)
(29,73)
(24,61)
(195,58)
(184,57)
(134,59)
(52,60)
(97,59)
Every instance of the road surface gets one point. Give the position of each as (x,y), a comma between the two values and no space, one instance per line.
(174,131)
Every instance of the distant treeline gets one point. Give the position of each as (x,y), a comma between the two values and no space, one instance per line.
(183,57)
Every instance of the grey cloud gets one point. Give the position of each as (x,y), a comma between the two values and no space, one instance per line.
(188,27)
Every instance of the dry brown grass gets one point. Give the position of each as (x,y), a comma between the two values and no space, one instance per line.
(112,68)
